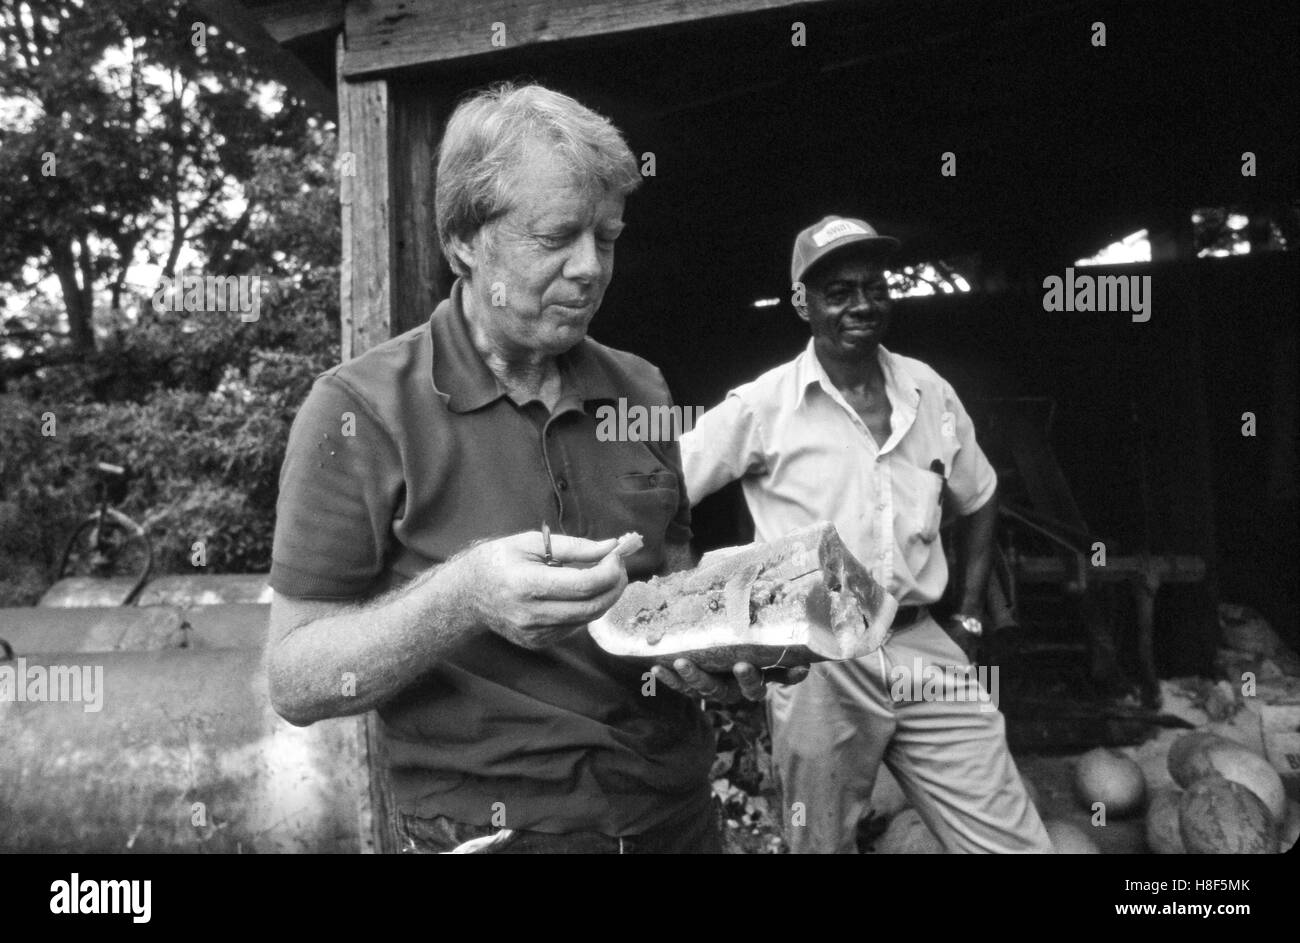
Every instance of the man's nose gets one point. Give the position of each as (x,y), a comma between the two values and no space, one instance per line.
(864,299)
(583,263)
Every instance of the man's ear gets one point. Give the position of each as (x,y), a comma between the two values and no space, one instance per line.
(463,252)
(802,311)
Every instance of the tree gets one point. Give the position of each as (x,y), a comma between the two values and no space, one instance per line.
(199,404)
(131,128)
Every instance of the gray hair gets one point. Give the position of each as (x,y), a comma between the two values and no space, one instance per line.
(488,138)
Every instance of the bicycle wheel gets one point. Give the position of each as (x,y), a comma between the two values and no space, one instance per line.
(114,547)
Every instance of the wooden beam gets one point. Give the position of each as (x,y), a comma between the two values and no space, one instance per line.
(241,25)
(392,34)
(366,273)
(296,19)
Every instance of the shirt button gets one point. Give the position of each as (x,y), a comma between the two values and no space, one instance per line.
(562,484)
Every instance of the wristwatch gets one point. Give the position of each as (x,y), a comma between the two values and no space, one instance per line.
(969,623)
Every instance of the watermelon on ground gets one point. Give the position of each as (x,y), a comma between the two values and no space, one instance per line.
(1217,816)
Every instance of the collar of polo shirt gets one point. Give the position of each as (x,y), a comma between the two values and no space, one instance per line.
(464,380)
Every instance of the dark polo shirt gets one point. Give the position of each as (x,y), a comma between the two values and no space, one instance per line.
(405,455)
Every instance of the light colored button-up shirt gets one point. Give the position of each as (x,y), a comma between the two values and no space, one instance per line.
(803,454)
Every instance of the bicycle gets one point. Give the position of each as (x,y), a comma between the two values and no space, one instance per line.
(108,544)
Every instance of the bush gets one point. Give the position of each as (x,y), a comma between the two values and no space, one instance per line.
(198,406)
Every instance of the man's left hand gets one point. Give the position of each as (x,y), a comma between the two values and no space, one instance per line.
(746,681)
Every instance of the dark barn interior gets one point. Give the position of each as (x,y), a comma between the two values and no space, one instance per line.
(1062,147)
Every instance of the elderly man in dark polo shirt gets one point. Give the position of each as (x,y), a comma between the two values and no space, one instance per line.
(408,564)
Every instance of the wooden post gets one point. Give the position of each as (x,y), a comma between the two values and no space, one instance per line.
(377,815)
(365,287)
(365,157)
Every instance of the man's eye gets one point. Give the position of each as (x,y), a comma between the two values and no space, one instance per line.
(551,242)
(841,296)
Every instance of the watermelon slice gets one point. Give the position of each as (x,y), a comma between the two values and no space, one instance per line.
(802,599)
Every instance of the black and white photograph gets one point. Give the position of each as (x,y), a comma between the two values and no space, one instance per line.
(847,427)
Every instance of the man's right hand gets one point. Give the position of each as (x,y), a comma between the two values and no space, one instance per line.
(515,594)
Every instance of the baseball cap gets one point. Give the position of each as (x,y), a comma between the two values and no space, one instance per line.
(832,234)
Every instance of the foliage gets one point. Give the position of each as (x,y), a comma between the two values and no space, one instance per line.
(743,781)
(126,137)
(197,404)
(204,435)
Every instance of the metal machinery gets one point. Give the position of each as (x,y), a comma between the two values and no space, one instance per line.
(1048,555)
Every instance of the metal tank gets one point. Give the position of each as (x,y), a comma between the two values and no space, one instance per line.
(149,729)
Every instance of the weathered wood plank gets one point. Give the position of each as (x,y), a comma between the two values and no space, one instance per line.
(377,812)
(421,279)
(391,34)
(366,277)
(366,274)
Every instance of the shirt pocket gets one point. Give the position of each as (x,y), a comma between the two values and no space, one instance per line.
(651,497)
(918,505)
(647,503)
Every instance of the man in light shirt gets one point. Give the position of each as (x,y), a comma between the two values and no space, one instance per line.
(874,442)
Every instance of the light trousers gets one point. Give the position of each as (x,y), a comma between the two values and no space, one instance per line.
(918,706)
